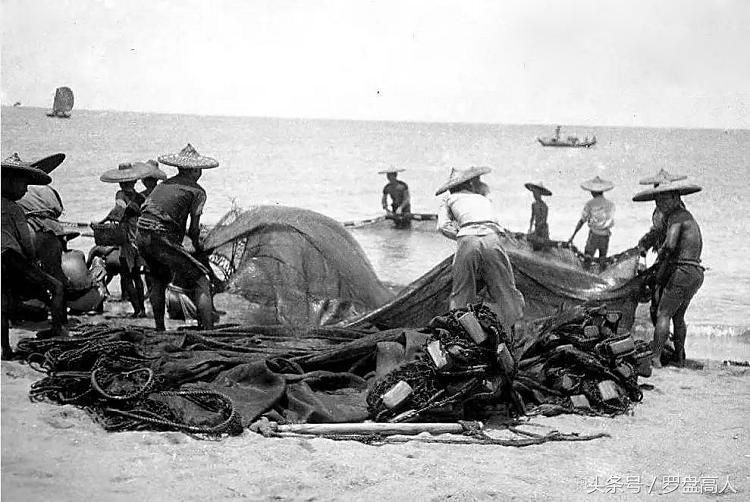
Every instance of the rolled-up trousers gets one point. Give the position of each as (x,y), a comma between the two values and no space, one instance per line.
(480,261)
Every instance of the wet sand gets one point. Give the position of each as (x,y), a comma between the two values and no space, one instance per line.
(690,432)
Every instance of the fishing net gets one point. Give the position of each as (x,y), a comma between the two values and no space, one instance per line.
(217,382)
(294,267)
(551,280)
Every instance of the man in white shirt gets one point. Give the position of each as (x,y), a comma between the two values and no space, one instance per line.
(467,217)
(599,213)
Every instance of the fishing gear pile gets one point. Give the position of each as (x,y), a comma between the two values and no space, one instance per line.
(462,365)
(470,366)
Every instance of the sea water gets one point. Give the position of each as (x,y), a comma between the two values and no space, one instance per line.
(331,166)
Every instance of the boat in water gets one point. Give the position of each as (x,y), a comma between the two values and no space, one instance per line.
(62,104)
(569,141)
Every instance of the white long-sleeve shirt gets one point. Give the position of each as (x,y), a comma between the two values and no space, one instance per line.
(466,213)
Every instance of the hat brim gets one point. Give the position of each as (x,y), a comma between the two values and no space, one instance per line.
(464,176)
(597,187)
(33,175)
(157,173)
(177,160)
(388,171)
(537,188)
(48,164)
(124,175)
(662,177)
(652,193)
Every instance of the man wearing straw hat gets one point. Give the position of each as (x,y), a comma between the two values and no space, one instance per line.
(467,217)
(126,212)
(21,274)
(599,213)
(656,234)
(681,274)
(161,229)
(398,191)
(538,227)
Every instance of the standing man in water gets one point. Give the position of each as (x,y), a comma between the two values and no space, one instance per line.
(398,191)
(467,217)
(599,213)
(538,227)
(681,273)
(161,229)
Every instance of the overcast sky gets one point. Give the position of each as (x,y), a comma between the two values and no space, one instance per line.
(680,63)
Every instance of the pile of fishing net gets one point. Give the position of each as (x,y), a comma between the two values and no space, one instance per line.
(461,365)
(470,367)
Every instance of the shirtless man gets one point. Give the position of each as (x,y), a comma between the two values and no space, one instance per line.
(681,273)
(398,191)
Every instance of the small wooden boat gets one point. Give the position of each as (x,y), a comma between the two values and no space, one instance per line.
(570,141)
(414,221)
(62,104)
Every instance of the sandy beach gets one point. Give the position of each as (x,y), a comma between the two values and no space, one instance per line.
(690,434)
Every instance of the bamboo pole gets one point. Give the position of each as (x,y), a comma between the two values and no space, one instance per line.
(382,428)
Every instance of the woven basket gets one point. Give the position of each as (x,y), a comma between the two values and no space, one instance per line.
(110,233)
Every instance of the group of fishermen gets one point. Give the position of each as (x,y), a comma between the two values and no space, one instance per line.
(153,224)
(466,215)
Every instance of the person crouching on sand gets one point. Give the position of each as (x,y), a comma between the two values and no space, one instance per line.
(681,273)
(161,229)
(538,228)
(22,277)
(467,217)
(599,213)
(126,212)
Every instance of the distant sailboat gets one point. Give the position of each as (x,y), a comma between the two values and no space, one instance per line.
(63,103)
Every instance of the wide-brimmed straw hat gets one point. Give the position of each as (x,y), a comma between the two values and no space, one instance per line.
(538,187)
(458,176)
(127,171)
(679,188)
(597,185)
(392,170)
(154,171)
(662,177)
(14,166)
(188,158)
(48,164)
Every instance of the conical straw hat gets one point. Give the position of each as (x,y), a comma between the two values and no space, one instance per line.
(14,166)
(458,176)
(392,169)
(188,158)
(538,187)
(127,171)
(680,188)
(662,177)
(597,185)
